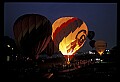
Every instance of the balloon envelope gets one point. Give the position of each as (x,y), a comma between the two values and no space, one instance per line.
(91,34)
(100,46)
(92,43)
(50,49)
(69,35)
(32,33)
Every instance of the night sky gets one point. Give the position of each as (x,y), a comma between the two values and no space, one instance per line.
(99,17)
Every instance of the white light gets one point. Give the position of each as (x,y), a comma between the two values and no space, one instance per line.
(97,59)
(90,52)
(8,58)
(8,45)
(27,58)
(107,50)
(91,59)
(68,59)
(12,48)
(101,60)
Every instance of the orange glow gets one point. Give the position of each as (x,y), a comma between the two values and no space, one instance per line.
(70,44)
(69,34)
(68,62)
(100,52)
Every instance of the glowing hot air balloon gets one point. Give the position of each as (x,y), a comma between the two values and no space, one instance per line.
(32,33)
(100,46)
(69,35)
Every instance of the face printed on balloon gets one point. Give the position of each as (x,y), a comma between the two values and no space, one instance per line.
(79,40)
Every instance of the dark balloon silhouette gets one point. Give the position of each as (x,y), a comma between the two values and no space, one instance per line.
(32,34)
(51,48)
(91,34)
(92,43)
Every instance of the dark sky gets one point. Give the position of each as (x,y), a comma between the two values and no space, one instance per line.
(99,17)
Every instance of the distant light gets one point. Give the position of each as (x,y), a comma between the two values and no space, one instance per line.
(90,52)
(101,60)
(97,59)
(42,60)
(12,48)
(8,46)
(91,59)
(8,58)
(108,50)
(27,58)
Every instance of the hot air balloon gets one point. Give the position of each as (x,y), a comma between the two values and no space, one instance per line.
(100,46)
(91,34)
(51,48)
(32,33)
(69,35)
(92,43)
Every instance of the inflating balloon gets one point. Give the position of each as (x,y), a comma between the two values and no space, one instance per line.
(100,46)
(69,35)
(32,33)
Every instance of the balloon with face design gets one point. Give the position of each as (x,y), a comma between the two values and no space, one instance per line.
(69,34)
